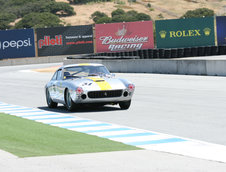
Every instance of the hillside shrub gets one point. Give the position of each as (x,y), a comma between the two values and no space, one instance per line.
(120,15)
(200,12)
(39,20)
(104,20)
(97,15)
(86,1)
(21,8)
(118,12)
(5,20)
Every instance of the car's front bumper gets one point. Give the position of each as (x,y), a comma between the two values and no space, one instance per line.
(108,96)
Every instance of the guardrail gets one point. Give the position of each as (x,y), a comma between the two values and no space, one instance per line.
(168,53)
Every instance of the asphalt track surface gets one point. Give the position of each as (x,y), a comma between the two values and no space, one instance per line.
(185,106)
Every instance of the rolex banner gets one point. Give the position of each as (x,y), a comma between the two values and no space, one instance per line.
(127,36)
(191,32)
(65,40)
(221,30)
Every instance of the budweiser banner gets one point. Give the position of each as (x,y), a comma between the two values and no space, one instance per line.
(128,36)
(65,40)
(190,32)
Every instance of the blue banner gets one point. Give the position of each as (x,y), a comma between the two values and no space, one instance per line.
(221,30)
(17,43)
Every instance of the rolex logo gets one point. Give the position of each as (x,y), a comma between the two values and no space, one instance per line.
(162,34)
(207,31)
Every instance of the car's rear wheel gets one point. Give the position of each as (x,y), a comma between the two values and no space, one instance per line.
(50,102)
(70,105)
(125,105)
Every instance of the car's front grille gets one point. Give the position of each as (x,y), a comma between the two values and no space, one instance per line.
(104,94)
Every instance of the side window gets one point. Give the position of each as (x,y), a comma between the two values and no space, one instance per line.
(59,74)
(54,76)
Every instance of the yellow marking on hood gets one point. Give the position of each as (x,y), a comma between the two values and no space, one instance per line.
(104,85)
(95,79)
(84,64)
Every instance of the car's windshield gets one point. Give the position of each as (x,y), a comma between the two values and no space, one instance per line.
(84,71)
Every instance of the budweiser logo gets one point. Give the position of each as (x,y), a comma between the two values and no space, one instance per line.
(109,40)
(122,43)
(121,32)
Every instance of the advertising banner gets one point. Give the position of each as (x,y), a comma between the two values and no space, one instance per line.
(221,30)
(190,32)
(17,43)
(65,40)
(127,36)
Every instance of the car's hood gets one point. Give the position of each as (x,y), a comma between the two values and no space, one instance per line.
(98,83)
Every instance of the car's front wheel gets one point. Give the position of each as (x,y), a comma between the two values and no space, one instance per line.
(70,105)
(125,105)
(50,102)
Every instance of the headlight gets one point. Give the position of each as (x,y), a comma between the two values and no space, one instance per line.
(131,87)
(79,90)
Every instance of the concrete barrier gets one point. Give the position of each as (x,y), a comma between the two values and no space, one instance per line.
(31,60)
(216,67)
(212,66)
(208,65)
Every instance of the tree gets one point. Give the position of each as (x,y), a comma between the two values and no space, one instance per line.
(200,12)
(39,20)
(142,16)
(59,8)
(104,20)
(132,1)
(5,20)
(132,13)
(86,1)
(2,2)
(118,12)
(23,7)
(119,18)
(119,15)
(19,2)
(97,15)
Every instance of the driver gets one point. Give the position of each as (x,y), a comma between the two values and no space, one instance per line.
(93,71)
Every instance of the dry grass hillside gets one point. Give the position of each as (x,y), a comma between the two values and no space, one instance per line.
(160,9)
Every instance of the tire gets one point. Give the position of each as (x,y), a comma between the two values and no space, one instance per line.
(70,105)
(125,105)
(49,101)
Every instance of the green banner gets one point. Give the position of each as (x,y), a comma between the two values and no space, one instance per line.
(191,32)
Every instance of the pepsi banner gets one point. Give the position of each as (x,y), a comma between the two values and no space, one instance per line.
(221,30)
(128,36)
(65,40)
(183,33)
(17,43)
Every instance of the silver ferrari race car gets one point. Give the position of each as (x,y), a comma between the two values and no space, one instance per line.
(80,84)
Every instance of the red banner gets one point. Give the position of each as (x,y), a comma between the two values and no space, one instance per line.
(128,36)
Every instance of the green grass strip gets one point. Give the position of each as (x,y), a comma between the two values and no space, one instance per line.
(26,138)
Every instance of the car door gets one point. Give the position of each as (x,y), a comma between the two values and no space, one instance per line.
(58,86)
(51,86)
